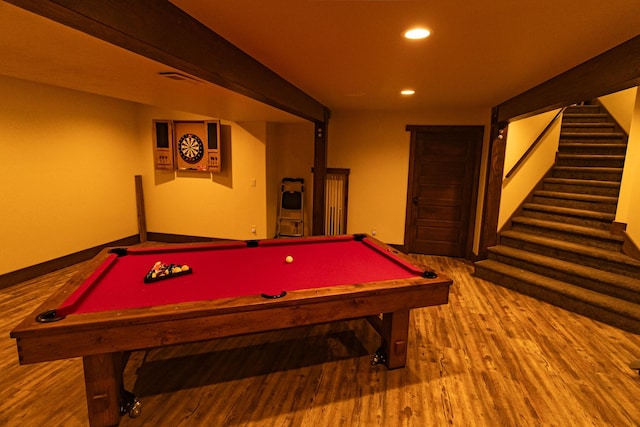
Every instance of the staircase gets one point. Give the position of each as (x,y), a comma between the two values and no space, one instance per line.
(559,247)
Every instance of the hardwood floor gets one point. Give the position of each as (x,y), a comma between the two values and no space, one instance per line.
(491,357)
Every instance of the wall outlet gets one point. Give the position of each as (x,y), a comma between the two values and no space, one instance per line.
(253,229)
(373,232)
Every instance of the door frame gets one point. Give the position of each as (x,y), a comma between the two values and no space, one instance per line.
(410,213)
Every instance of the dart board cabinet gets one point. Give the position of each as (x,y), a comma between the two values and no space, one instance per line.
(187,145)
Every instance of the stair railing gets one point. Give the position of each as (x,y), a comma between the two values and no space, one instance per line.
(534,144)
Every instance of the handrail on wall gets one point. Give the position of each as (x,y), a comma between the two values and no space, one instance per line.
(534,144)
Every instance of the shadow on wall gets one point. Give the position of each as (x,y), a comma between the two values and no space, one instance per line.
(225,176)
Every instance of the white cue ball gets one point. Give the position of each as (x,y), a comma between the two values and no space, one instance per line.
(288,259)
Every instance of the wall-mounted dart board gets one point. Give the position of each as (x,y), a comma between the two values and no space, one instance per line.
(187,145)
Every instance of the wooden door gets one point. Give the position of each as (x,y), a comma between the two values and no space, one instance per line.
(442,189)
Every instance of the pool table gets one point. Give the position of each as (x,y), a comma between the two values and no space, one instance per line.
(229,288)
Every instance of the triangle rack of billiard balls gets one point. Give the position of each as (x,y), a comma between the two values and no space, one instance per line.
(162,271)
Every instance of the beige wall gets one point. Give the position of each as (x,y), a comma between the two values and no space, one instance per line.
(629,200)
(66,172)
(620,105)
(520,136)
(221,205)
(375,147)
(68,176)
(290,154)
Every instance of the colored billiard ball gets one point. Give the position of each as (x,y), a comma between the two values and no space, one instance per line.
(288,259)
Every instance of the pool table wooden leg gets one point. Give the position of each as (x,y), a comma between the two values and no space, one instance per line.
(103,382)
(395,334)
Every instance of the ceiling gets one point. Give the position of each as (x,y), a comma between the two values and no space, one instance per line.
(347,54)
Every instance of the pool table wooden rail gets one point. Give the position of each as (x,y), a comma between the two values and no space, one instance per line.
(149,327)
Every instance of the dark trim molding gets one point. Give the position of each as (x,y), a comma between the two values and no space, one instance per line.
(493,188)
(141,27)
(28,273)
(178,238)
(319,177)
(46,267)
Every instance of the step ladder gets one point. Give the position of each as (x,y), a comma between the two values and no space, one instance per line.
(291,208)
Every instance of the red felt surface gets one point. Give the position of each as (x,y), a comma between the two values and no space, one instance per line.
(235,270)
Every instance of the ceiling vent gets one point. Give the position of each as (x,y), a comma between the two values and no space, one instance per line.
(173,75)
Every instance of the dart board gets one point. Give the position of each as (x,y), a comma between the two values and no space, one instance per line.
(190,148)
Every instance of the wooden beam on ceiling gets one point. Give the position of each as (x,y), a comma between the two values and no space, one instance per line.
(614,70)
(159,30)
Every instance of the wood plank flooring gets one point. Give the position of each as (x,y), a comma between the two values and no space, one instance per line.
(491,357)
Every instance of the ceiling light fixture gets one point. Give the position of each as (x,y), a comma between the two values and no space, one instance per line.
(417,33)
(407,92)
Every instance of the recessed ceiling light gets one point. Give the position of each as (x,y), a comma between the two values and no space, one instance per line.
(417,33)
(407,92)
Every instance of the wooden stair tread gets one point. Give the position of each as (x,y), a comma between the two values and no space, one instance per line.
(588,124)
(570,115)
(591,156)
(598,135)
(569,228)
(602,276)
(593,145)
(584,182)
(576,196)
(596,299)
(570,211)
(577,248)
(588,169)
